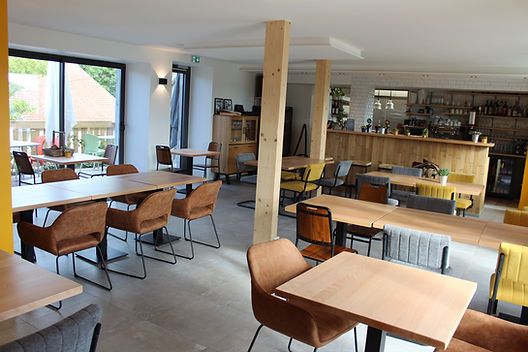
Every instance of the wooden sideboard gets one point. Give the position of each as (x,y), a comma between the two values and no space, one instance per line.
(455,155)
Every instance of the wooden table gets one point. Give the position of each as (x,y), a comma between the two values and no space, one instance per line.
(410,181)
(416,304)
(26,286)
(76,158)
(162,179)
(347,211)
(494,233)
(461,229)
(43,195)
(294,162)
(188,156)
(22,144)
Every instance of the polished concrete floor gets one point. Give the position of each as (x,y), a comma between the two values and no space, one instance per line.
(204,304)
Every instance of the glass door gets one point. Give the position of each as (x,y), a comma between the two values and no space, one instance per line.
(236,129)
(250,130)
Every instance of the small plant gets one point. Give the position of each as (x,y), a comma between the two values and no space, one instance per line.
(425,132)
(337,92)
(74,142)
(443,172)
(408,131)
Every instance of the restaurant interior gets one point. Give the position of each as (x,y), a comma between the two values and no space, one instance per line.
(221,177)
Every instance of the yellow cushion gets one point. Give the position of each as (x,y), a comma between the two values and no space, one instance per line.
(313,172)
(298,186)
(435,191)
(516,217)
(457,177)
(289,176)
(513,285)
(463,203)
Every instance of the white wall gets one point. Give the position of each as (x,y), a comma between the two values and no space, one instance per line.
(147,109)
(300,98)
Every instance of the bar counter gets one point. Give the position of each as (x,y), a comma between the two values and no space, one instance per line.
(456,155)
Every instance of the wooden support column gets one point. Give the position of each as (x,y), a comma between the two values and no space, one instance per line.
(320,110)
(271,130)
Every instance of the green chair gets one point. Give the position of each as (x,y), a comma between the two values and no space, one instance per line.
(91,145)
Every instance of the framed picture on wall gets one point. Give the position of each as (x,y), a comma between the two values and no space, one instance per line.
(218,105)
(228,104)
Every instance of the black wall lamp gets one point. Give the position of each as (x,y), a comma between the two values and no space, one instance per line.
(163,81)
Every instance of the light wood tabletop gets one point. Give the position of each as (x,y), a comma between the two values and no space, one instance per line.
(295,162)
(347,210)
(26,286)
(494,233)
(103,187)
(76,158)
(461,229)
(162,179)
(191,153)
(44,195)
(410,181)
(416,304)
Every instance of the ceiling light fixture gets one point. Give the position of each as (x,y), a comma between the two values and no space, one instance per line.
(377,104)
(390,104)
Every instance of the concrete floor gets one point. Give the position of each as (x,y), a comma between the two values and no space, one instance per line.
(204,304)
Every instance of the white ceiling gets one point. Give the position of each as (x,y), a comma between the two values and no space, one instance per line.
(456,36)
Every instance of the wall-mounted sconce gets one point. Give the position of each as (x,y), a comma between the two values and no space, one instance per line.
(163,81)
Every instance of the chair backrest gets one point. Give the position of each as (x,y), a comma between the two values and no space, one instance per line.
(163,155)
(121,169)
(439,205)
(270,265)
(458,177)
(58,175)
(41,140)
(77,333)
(436,191)
(22,162)
(373,193)
(91,143)
(110,153)
(516,217)
(416,247)
(409,171)
(314,224)
(241,159)
(154,211)
(214,147)
(202,200)
(342,168)
(313,172)
(373,180)
(514,267)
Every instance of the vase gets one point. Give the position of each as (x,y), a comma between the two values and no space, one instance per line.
(443,180)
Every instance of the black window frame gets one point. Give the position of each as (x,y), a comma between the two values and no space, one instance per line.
(62,60)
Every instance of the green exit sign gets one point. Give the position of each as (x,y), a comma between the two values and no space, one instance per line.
(196,59)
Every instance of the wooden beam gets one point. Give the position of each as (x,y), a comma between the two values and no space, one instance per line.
(276,53)
(320,110)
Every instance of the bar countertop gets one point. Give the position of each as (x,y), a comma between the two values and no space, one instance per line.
(416,138)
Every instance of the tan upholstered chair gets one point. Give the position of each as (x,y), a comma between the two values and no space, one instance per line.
(150,215)
(272,264)
(55,176)
(479,332)
(128,199)
(314,225)
(200,203)
(75,229)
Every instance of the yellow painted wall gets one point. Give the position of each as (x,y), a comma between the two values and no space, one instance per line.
(524,190)
(6,218)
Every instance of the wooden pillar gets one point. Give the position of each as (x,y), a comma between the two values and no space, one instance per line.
(271,130)
(320,110)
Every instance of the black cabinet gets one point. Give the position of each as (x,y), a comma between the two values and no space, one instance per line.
(505,176)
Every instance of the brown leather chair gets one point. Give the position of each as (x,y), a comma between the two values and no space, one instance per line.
(200,203)
(479,332)
(55,176)
(314,225)
(128,199)
(214,160)
(24,167)
(164,157)
(272,264)
(76,229)
(150,215)
(371,193)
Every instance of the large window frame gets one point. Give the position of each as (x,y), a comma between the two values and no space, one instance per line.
(63,60)
(187,94)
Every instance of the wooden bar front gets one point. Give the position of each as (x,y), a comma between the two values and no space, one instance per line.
(457,156)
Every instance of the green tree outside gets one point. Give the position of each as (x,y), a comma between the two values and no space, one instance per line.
(105,76)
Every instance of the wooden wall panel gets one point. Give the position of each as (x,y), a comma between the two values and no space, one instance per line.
(457,156)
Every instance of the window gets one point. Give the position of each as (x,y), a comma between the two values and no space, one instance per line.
(81,97)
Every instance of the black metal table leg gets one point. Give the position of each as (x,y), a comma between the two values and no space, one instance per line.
(375,340)
(188,166)
(157,238)
(27,251)
(109,254)
(524,316)
(341,232)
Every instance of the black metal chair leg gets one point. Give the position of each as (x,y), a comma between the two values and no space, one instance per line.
(188,223)
(103,266)
(289,344)
(355,339)
(163,251)
(369,243)
(46,218)
(255,338)
(142,262)
(217,245)
(58,273)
